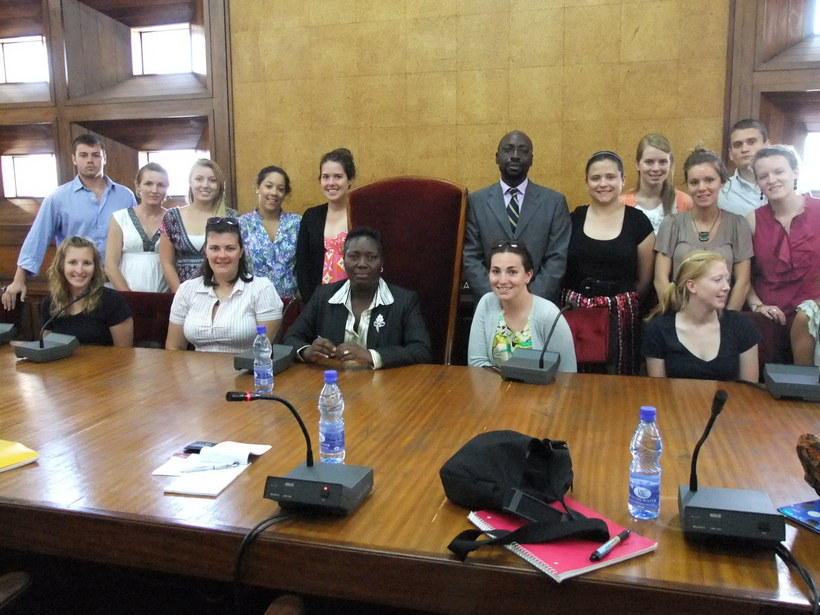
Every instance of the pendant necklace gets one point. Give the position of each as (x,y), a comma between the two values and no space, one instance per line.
(704,236)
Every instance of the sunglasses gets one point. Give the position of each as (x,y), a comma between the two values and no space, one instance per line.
(220,220)
(507,244)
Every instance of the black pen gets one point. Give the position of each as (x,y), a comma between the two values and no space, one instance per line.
(605,548)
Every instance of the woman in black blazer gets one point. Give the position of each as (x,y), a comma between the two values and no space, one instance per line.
(324,227)
(362,319)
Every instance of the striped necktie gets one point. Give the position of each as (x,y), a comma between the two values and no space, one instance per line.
(513,209)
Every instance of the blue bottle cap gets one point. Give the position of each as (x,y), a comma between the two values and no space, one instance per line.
(648,413)
(331,377)
(261,330)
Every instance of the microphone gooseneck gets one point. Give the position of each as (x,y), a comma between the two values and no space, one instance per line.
(248,396)
(717,406)
(82,295)
(569,305)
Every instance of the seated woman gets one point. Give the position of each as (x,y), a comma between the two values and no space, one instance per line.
(805,333)
(182,244)
(512,317)
(131,256)
(691,335)
(219,310)
(363,319)
(269,233)
(611,257)
(786,238)
(323,228)
(654,193)
(98,315)
(705,227)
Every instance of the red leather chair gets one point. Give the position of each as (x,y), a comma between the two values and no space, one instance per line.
(422,223)
(293,307)
(151,312)
(590,333)
(775,347)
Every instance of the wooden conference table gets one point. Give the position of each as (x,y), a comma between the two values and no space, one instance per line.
(105,418)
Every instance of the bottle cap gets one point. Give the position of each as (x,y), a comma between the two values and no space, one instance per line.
(261,330)
(331,377)
(648,413)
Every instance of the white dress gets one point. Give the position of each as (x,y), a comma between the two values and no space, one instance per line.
(141,270)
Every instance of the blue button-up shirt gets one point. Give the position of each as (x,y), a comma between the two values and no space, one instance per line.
(72,209)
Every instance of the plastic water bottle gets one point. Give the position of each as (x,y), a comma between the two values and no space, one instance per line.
(645,469)
(331,421)
(262,362)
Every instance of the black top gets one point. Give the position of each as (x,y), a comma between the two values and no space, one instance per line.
(737,335)
(614,261)
(92,327)
(310,250)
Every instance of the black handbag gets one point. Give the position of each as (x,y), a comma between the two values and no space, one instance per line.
(495,468)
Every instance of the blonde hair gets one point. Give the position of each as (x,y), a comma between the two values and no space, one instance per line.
(58,286)
(219,201)
(675,295)
(661,143)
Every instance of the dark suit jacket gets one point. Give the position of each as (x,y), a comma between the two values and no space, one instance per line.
(544,227)
(403,340)
(310,250)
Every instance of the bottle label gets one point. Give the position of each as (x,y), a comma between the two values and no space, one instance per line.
(331,442)
(645,491)
(262,377)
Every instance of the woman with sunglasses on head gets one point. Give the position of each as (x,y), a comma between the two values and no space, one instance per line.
(691,334)
(512,317)
(270,233)
(363,320)
(131,257)
(611,256)
(182,244)
(705,227)
(320,247)
(655,193)
(220,310)
(98,315)
(786,238)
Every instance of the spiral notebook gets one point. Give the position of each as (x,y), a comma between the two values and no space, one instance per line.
(568,557)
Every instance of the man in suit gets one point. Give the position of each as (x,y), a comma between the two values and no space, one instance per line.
(516,209)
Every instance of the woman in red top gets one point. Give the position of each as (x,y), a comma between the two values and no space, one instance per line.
(786,238)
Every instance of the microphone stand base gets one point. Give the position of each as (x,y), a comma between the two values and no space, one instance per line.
(55,347)
(323,488)
(522,366)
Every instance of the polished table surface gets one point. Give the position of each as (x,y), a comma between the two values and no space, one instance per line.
(103,419)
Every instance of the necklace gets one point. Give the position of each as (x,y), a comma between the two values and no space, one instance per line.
(704,236)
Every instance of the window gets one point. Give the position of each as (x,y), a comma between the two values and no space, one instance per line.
(178,163)
(33,175)
(23,60)
(810,169)
(817,17)
(161,50)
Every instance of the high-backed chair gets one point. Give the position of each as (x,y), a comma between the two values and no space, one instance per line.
(422,223)
(775,347)
(292,309)
(590,334)
(151,312)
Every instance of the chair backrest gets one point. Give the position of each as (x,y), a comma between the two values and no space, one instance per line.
(151,312)
(775,347)
(590,333)
(422,223)
(293,307)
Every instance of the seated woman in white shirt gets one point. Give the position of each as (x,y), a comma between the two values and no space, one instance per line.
(219,310)
(512,317)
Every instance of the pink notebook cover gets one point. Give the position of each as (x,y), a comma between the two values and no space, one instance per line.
(568,557)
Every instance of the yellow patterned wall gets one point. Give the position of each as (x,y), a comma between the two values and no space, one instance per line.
(428,87)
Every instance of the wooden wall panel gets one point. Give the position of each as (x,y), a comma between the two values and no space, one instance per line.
(21,18)
(784,23)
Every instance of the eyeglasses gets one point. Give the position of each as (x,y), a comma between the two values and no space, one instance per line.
(220,220)
(523,150)
(507,244)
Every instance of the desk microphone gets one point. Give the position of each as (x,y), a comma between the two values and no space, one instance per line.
(56,345)
(716,513)
(532,366)
(313,488)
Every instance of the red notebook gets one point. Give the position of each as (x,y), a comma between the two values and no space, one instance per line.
(567,557)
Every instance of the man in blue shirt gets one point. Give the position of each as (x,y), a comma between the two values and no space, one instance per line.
(82,206)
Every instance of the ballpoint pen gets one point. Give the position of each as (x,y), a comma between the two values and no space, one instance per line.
(210,467)
(605,548)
